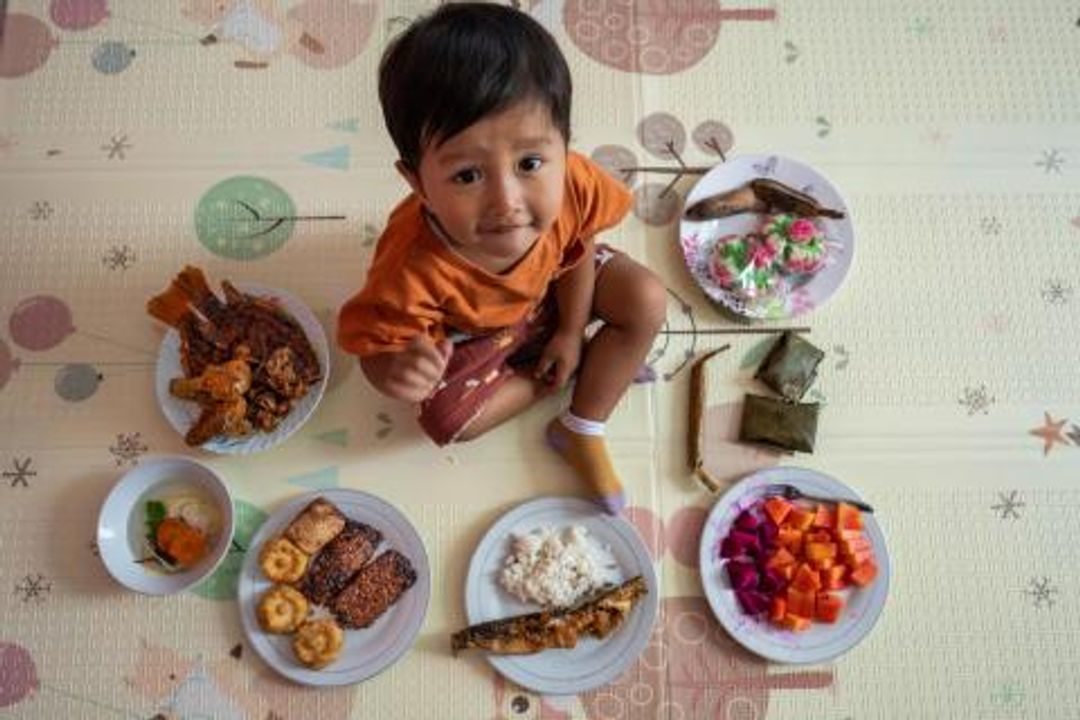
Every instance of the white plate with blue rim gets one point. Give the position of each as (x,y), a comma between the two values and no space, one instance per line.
(821,641)
(593,662)
(368,651)
(697,238)
(182,414)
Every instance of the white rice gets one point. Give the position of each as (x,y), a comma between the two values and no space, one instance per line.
(557,567)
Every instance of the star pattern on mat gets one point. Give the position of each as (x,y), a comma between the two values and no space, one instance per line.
(128,448)
(1056,292)
(977,399)
(1009,505)
(116,146)
(1050,432)
(1051,161)
(1041,592)
(33,587)
(22,473)
(119,257)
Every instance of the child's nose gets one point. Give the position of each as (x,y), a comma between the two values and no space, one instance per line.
(506,194)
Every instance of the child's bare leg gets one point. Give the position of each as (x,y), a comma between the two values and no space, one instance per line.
(632,303)
(516,394)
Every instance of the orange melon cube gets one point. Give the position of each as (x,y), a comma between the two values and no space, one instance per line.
(834,578)
(806,579)
(819,536)
(801,519)
(848,517)
(801,603)
(777,508)
(777,608)
(850,547)
(780,558)
(795,623)
(854,560)
(790,538)
(820,551)
(827,607)
(825,517)
(864,574)
(822,564)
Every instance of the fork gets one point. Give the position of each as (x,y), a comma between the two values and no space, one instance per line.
(793,493)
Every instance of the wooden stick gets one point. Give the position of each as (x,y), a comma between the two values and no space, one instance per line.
(690,170)
(698,394)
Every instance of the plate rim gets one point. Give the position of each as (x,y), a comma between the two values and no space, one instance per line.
(253,634)
(320,344)
(720,168)
(712,592)
(651,605)
(221,547)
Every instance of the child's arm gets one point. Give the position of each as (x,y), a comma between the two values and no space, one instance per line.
(410,374)
(574,296)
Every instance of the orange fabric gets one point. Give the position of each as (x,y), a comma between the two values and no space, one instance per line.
(416,284)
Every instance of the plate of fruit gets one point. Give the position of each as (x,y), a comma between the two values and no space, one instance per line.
(794,565)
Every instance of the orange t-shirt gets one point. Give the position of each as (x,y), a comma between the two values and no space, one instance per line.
(417,284)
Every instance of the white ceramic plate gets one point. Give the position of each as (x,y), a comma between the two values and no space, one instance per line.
(593,662)
(122,522)
(367,651)
(698,238)
(183,413)
(822,641)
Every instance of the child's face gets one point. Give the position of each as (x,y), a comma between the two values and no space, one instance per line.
(495,186)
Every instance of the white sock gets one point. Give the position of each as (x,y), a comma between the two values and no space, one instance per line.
(580,425)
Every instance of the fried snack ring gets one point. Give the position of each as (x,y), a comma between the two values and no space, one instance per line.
(318,642)
(282,609)
(282,561)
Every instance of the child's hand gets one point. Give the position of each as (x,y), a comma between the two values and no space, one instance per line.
(413,373)
(560,358)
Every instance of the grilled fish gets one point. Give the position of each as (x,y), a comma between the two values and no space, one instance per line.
(526,634)
(759,196)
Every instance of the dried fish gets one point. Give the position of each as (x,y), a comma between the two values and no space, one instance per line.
(760,195)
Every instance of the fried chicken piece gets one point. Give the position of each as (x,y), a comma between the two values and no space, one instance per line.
(281,374)
(377,586)
(227,418)
(220,383)
(319,523)
(335,566)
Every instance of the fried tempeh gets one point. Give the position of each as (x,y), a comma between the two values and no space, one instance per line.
(373,590)
(342,557)
(525,634)
(318,524)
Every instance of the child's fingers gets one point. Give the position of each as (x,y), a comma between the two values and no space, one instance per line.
(543,367)
(562,373)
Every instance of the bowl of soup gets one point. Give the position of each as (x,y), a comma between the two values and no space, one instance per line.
(166,525)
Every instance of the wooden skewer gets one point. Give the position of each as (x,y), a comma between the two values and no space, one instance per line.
(690,170)
(737,331)
(695,440)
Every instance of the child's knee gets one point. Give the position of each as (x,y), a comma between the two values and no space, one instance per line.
(649,302)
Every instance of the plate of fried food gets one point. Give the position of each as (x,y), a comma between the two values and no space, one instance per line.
(561,597)
(241,375)
(767,237)
(334,587)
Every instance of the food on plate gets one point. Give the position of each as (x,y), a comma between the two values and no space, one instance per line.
(282,609)
(316,525)
(782,254)
(342,557)
(760,195)
(556,567)
(180,530)
(526,634)
(791,366)
(283,562)
(376,587)
(318,642)
(791,561)
(218,338)
(778,424)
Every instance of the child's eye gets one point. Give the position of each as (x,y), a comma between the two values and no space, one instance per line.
(531,163)
(467,176)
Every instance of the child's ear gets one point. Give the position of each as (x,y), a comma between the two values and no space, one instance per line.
(410,176)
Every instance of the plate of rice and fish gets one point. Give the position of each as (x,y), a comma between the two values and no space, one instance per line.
(241,375)
(334,588)
(561,598)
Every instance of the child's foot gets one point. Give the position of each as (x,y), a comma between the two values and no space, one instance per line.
(588,454)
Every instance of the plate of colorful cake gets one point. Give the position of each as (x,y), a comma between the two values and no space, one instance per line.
(767,237)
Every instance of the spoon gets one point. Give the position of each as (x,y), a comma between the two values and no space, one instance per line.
(793,493)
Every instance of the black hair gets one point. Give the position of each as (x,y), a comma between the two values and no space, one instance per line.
(465,61)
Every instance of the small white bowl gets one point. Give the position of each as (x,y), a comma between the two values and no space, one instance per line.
(121,524)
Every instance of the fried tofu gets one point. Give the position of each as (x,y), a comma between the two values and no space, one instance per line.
(318,524)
